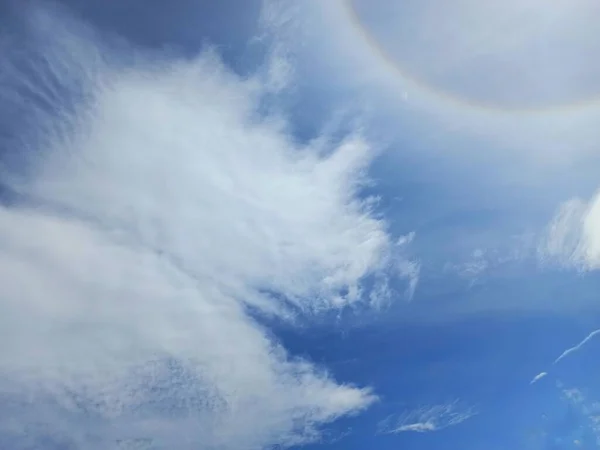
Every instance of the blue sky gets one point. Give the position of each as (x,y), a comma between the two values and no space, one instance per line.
(260,224)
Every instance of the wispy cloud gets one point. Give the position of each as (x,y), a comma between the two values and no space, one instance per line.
(538,377)
(571,350)
(589,409)
(427,418)
(156,209)
(573,237)
(566,353)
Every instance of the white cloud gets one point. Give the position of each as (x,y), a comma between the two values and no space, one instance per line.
(573,236)
(577,347)
(538,377)
(427,418)
(156,211)
(567,353)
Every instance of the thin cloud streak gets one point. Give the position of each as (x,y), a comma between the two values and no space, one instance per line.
(566,353)
(427,418)
(578,347)
(538,377)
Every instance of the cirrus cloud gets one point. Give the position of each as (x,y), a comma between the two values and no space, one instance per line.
(573,236)
(427,418)
(157,208)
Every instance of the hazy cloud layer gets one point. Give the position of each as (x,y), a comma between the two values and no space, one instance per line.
(157,206)
(513,92)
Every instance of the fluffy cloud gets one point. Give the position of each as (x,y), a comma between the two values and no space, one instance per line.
(158,208)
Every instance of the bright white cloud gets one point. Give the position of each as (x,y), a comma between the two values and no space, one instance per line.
(567,353)
(428,418)
(573,236)
(538,377)
(157,210)
(577,347)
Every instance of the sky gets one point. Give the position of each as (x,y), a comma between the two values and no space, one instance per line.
(316,225)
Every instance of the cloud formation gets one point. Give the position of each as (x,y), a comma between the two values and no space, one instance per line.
(427,418)
(577,347)
(567,353)
(158,207)
(573,236)
(538,377)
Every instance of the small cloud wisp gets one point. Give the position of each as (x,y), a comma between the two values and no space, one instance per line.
(427,418)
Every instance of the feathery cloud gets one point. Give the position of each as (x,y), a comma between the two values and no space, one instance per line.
(427,418)
(572,238)
(156,208)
